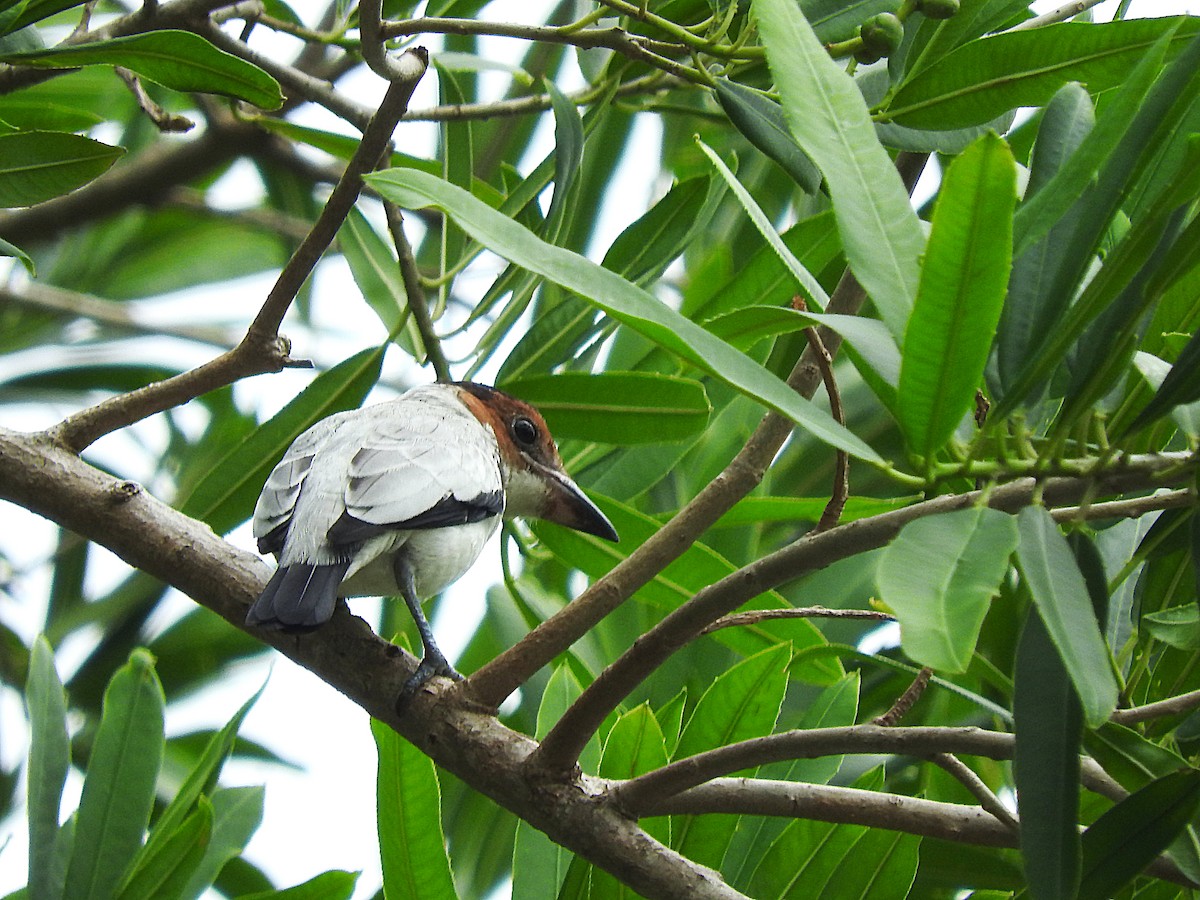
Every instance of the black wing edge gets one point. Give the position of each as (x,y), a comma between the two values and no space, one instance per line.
(446,513)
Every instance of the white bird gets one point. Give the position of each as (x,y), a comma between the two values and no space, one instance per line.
(400,497)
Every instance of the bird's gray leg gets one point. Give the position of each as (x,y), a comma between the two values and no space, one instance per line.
(433,662)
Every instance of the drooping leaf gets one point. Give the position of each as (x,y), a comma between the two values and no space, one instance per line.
(1024,68)
(49,759)
(176,59)
(1064,603)
(761,122)
(939,575)
(1049,726)
(621,300)
(616,407)
(828,118)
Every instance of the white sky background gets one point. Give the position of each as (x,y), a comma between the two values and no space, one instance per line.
(323,816)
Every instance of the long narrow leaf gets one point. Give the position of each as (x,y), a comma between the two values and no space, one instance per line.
(963,282)
(621,300)
(829,120)
(49,759)
(118,792)
(411,843)
(1065,605)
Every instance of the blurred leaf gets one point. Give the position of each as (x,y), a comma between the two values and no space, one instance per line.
(415,863)
(616,407)
(622,301)
(23,13)
(179,60)
(49,760)
(118,792)
(375,269)
(647,246)
(1063,602)
(7,249)
(1125,839)
(1024,68)
(333,885)
(1181,385)
(226,496)
(828,118)
(197,651)
(39,165)
(237,813)
(755,510)
(1178,626)
(1049,726)
(963,280)
(761,122)
(939,575)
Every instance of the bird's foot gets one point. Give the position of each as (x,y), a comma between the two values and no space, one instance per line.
(429,666)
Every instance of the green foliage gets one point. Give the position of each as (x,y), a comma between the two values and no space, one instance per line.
(1015,363)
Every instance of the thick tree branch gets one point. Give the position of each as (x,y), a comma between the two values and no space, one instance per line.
(816,551)
(49,480)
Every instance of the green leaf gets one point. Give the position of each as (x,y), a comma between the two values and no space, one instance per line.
(36,166)
(616,407)
(1178,626)
(1065,605)
(237,813)
(1181,385)
(26,12)
(179,60)
(7,249)
(987,77)
(647,246)
(49,760)
(165,869)
(829,120)
(762,123)
(939,575)
(118,792)
(539,865)
(963,282)
(621,300)
(411,843)
(696,568)
(375,269)
(1049,727)
(742,703)
(1127,837)
(225,497)
(332,885)
(1032,307)
(813,292)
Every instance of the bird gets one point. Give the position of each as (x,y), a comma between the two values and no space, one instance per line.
(400,497)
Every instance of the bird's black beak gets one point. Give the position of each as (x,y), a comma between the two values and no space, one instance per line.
(567,505)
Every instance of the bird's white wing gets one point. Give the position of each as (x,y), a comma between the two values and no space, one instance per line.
(277,502)
(421,466)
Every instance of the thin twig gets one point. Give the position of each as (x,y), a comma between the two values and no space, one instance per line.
(163,120)
(1064,12)
(1172,706)
(967,778)
(753,617)
(841,474)
(417,301)
(905,702)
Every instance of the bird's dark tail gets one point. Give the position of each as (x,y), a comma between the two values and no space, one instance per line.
(299,597)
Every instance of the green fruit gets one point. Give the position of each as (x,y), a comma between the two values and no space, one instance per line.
(881,34)
(938,9)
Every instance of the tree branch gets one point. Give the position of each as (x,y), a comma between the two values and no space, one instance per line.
(501,676)
(262,349)
(812,552)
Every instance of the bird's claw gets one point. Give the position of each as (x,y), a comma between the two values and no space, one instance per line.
(428,667)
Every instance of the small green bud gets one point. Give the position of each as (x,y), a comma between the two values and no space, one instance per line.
(881,34)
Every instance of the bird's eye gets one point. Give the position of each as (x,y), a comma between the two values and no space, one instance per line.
(524,431)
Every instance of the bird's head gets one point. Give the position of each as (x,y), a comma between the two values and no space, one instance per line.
(536,484)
